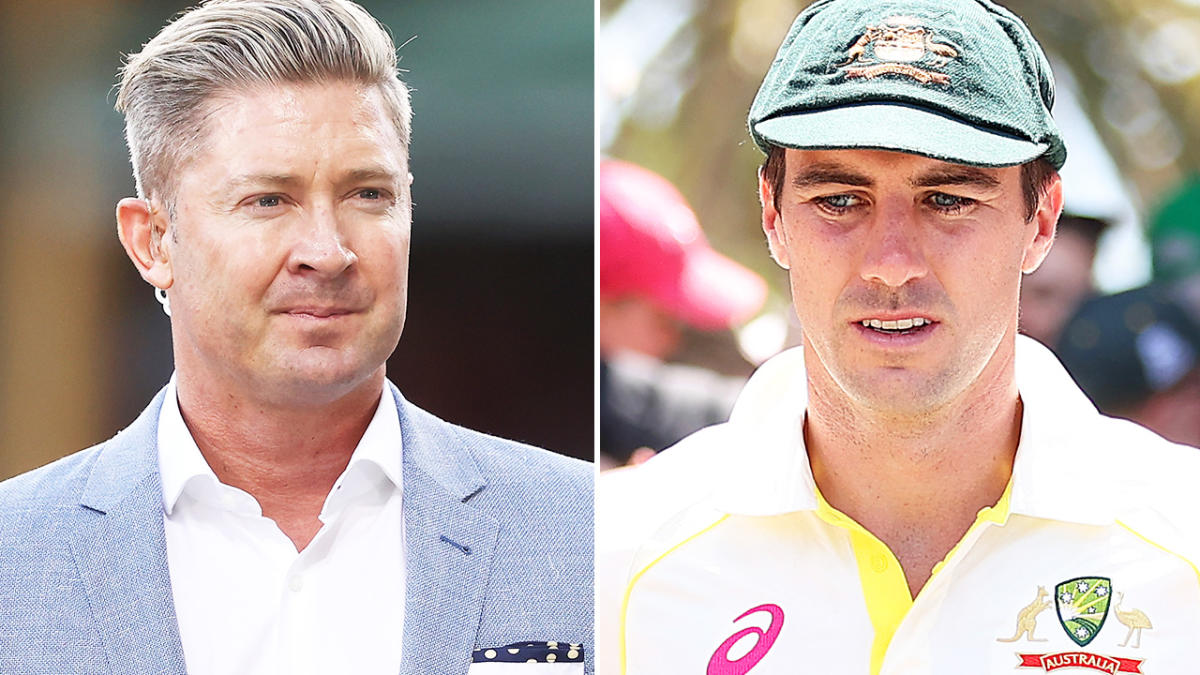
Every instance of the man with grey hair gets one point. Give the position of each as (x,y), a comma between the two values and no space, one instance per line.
(279,506)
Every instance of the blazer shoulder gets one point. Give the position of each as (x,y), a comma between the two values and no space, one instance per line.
(57,483)
(42,501)
(512,464)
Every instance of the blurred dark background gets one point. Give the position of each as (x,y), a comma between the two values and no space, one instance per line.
(499,334)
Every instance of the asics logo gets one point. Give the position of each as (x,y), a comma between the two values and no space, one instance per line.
(721,664)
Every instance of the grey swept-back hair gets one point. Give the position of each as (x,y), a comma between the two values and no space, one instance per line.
(225,46)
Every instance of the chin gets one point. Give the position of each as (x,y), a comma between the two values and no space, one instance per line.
(899,391)
(319,378)
(311,392)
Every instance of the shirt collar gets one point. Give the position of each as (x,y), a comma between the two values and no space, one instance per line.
(1058,443)
(180,464)
(376,462)
(772,474)
(376,459)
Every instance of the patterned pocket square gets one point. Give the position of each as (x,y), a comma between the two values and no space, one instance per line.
(530,652)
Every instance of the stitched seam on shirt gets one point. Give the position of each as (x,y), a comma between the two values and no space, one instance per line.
(638,576)
(1162,548)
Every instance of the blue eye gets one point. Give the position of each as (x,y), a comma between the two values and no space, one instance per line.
(370,193)
(949,203)
(838,203)
(269,201)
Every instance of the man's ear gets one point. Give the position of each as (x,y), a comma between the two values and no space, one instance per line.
(772,223)
(1044,222)
(142,228)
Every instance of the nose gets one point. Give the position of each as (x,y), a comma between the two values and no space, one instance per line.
(321,247)
(893,255)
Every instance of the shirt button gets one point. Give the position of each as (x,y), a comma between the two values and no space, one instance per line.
(296,583)
(879,563)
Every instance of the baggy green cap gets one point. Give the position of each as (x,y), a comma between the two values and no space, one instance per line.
(957,80)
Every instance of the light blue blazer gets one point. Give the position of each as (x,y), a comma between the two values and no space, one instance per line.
(84,585)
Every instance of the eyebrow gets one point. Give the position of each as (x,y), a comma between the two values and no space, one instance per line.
(826,173)
(958,175)
(371,173)
(260,179)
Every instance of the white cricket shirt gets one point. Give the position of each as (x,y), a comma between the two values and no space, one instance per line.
(720,556)
(247,602)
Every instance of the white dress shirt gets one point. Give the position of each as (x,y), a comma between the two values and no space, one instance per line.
(247,601)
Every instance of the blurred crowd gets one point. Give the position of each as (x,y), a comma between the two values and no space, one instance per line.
(1135,353)
(661,282)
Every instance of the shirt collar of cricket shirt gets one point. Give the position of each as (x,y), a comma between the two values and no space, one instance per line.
(375,464)
(771,474)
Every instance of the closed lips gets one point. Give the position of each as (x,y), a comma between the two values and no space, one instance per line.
(318,313)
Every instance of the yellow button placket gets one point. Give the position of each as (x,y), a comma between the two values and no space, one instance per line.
(884,587)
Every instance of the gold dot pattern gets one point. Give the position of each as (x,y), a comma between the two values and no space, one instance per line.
(530,652)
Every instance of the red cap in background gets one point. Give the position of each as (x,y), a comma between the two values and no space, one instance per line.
(651,245)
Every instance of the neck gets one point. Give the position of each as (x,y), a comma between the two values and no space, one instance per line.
(915,481)
(287,458)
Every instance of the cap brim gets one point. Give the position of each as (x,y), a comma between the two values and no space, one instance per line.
(898,127)
(714,292)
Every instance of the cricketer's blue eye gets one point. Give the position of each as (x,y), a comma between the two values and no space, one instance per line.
(837,203)
(949,203)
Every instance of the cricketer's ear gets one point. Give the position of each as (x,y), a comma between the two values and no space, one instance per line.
(141,228)
(772,223)
(1040,230)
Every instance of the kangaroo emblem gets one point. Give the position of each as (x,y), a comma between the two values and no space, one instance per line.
(858,52)
(1027,618)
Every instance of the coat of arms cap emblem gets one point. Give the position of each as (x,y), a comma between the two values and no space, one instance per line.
(893,46)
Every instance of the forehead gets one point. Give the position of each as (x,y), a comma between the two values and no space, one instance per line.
(872,167)
(301,122)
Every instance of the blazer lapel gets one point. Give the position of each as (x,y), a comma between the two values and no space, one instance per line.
(449,545)
(121,552)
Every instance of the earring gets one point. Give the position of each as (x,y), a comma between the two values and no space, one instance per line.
(160,295)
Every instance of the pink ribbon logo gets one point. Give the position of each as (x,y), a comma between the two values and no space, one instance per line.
(720,664)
